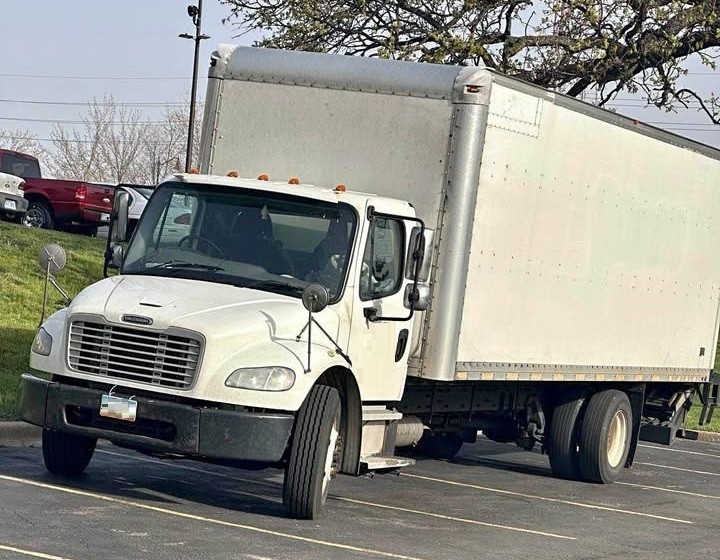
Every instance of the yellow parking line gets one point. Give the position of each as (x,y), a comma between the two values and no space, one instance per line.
(546,499)
(646,487)
(676,468)
(31,553)
(184,515)
(350,500)
(679,451)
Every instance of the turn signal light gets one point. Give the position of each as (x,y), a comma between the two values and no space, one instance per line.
(195,171)
(233,174)
(263,177)
(294,181)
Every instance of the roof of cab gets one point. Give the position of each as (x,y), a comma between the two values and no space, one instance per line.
(305,190)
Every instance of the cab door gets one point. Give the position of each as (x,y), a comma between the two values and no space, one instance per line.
(382,322)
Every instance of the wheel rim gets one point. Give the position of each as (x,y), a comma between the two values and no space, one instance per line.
(34,218)
(617,438)
(329,473)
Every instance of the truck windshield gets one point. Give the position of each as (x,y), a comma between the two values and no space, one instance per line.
(246,238)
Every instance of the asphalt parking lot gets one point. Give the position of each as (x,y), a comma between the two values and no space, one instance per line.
(493,501)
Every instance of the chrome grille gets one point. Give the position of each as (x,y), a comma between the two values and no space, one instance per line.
(137,355)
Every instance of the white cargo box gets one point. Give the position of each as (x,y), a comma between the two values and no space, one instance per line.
(572,243)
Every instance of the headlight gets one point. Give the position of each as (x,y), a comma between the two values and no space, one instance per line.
(43,343)
(262,379)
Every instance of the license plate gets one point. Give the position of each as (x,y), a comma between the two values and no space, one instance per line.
(10,205)
(119,408)
(104,217)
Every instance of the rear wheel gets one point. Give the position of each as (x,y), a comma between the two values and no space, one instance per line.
(440,446)
(314,454)
(564,433)
(38,215)
(67,454)
(605,436)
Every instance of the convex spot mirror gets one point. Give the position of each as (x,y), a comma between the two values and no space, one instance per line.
(53,256)
(315,297)
(425,237)
(119,221)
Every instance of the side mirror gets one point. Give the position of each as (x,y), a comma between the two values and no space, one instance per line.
(315,297)
(418,299)
(116,256)
(119,219)
(425,238)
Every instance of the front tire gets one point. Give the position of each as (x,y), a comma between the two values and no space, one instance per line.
(67,454)
(605,436)
(314,453)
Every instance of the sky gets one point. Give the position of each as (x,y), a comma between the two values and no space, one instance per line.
(72,51)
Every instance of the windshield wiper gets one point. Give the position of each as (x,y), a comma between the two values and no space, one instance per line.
(184,264)
(270,284)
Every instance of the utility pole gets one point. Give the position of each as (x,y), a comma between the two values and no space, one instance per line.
(195,13)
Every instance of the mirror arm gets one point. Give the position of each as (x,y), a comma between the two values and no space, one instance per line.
(108,253)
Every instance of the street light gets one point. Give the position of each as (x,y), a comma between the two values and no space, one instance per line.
(195,13)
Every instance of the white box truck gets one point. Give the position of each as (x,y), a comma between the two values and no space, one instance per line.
(381,254)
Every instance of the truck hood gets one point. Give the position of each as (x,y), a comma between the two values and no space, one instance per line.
(215,310)
(10,184)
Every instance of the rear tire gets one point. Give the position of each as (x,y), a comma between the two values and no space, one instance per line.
(562,447)
(605,436)
(67,454)
(440,446)
(314,454)
(38,215)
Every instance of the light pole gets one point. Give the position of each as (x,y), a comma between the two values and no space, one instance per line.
(195,13)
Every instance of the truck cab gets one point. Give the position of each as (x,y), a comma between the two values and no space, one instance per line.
(249,317)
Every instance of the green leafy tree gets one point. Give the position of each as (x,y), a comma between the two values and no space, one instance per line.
(573,46)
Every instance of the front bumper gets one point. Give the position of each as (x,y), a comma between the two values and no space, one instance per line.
(20,206)
(161,426)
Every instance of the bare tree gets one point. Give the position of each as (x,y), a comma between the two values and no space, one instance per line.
(21,141)
(116,144)
(606,46)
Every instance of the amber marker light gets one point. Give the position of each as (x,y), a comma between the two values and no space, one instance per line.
(233,174)
(263,177)
(293,181)
(340,188)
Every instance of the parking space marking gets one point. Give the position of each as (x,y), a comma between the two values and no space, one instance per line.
(451,518)
(647,487)
(360,502)
(210,520)
(547,499)
(31,553)
(676,468)
(679,451)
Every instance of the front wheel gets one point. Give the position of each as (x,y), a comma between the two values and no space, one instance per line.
(605,436)
(67,454)
(314,453)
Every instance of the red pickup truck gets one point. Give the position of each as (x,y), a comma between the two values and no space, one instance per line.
(56,203)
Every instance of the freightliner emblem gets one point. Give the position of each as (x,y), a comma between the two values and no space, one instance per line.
(137,319)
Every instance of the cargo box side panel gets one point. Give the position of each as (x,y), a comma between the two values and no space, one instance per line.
(594,250)
(377,143)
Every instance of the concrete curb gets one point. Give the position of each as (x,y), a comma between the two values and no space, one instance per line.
(705,437)
(19,434)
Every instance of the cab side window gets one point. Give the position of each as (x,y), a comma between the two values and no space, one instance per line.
(382,265)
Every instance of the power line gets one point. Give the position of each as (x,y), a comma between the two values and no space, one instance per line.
(106,78)
(86,103)
(155,142)
(61,121)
